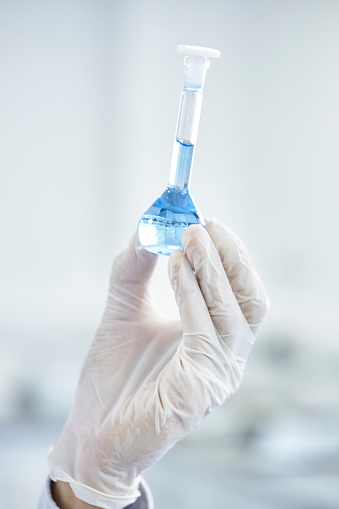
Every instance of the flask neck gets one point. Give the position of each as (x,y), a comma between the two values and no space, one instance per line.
(181,166)
(185,138)
(188,122)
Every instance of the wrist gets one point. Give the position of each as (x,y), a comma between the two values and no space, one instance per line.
(64,497)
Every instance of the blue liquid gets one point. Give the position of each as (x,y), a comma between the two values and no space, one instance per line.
(182,161)
(162,226)
(160,229)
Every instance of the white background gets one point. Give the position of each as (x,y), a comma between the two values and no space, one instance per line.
(89,93)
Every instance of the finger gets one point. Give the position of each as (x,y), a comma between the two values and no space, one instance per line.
(134,264)
(194,314)
(131,272)
(241,272)
(222,305)
(201,342)
(202,351)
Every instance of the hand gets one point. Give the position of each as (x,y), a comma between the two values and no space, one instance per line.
(147,379)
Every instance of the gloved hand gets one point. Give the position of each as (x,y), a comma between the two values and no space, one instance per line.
(147,379)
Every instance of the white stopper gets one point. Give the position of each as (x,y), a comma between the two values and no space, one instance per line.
(196,63)
(198,51)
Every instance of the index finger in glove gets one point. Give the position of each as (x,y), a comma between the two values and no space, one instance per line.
(200,344)
(241,272)
(217,292)
(216,360)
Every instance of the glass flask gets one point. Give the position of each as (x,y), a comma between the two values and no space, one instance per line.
(161,227)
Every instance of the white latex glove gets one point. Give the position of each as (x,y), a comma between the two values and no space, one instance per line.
(147,379)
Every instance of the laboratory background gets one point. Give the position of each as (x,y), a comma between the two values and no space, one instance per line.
(89,95)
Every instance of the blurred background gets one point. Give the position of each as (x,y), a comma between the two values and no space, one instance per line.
(89,94)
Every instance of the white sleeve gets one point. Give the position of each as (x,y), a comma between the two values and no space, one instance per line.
(145,501)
